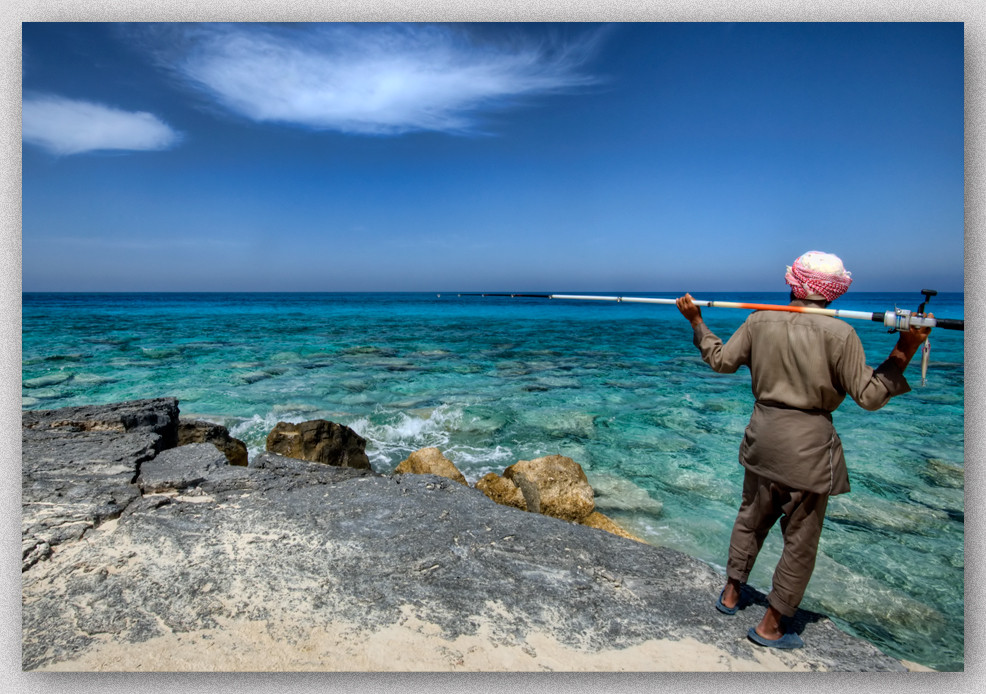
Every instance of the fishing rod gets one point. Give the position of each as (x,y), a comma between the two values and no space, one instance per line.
(898,319)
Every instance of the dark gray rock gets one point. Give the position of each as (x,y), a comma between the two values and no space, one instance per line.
(178,469)
(198,431)
(78,466)
(72,481)
(156,416)
(319,441)
(294,545)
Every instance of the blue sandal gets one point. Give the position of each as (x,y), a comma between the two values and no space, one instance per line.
(789,640)
(722,608)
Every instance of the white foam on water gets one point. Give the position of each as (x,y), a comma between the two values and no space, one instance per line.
(391,437)
(475,463)
(403,431)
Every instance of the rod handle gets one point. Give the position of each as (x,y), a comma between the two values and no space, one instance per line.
(950,323)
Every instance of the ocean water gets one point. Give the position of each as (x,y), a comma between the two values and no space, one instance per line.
(617,387)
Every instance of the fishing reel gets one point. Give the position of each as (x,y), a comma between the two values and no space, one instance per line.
(901,319)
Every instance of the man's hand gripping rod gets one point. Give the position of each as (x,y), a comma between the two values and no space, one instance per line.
(902,319)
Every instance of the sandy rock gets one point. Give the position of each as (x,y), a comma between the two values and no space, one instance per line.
(502,491)
(210,567)
(430,461)
(554,486)
(319,441)
(198,431)
(601,522)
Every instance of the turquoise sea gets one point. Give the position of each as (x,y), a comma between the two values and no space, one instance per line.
(618,387)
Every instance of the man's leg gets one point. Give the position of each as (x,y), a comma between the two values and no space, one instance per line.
(757,514)
(801,524)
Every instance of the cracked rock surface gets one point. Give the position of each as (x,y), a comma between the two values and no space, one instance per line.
(131,543)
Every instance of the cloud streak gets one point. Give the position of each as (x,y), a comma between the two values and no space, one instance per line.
(368,79)
(66,126)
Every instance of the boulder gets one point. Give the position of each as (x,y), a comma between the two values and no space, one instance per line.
(198,431)
(430,461)
(319,441)
(502,491)
(554,486)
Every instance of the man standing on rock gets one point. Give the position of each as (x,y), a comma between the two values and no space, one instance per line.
(801,366)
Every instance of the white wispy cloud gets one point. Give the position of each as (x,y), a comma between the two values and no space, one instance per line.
(369,78)
(68,126)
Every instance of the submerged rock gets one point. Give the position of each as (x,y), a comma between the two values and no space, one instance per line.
(939,473)
(319,441)
(430,461)
(616,493)
(198,431)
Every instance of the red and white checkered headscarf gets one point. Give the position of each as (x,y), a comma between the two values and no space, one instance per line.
(817,275)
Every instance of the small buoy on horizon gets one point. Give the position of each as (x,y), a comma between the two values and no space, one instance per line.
(439,296)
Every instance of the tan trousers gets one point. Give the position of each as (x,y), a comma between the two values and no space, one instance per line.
(801,514)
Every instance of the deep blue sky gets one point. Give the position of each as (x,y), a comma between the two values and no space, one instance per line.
(627,157)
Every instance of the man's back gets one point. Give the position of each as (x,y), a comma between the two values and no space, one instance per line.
(794,359)
(802,361)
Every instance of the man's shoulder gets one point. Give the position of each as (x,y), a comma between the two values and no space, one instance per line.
(827,324)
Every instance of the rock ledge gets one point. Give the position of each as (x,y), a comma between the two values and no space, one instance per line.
(130,541)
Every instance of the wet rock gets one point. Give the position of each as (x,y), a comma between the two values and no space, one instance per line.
(198,431)
(554,486)
(600,522)
(319,441)
(430,461)
(502,490)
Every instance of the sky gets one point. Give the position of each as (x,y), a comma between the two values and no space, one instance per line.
(634,157)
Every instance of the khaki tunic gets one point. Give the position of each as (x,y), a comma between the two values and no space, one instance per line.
(802,366)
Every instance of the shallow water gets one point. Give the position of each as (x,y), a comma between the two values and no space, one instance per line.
(617,387)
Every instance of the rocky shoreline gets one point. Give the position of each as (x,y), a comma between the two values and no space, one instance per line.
(150,543)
